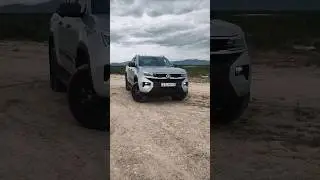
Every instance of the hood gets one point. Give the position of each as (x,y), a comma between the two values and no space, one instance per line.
(223,28)
(165,70)
(101,21)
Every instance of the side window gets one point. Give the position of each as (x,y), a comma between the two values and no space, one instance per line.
(100,6)
(62,9)
(71,8)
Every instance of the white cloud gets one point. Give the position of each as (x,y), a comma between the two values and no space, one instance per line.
(177,29)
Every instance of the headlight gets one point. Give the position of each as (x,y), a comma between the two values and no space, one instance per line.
(105,39)
(148,74)
(183,75)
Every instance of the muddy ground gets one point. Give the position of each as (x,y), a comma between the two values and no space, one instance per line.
(277,138)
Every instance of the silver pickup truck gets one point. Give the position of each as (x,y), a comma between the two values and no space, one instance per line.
(155,76)
(231,71)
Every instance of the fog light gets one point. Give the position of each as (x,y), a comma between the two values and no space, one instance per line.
(146,84)
(238,70)
(186,83)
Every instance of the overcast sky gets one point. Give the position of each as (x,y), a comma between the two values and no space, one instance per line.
(177,29)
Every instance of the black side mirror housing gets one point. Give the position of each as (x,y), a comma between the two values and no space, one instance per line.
(75,10)
(70,10)
(131,64)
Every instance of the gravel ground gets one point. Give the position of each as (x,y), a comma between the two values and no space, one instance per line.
(277,138)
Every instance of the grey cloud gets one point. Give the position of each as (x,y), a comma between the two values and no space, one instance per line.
(174,25)
(167,9)
(197,38)
(152,31)
(154,8)
(115,37)
(167,29)
(183,38)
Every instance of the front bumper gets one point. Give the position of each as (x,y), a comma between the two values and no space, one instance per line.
(152,86)
(227,89)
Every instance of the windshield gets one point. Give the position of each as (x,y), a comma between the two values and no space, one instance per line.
(154,61)
(100,6)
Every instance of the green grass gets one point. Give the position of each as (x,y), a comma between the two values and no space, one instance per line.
(194,71)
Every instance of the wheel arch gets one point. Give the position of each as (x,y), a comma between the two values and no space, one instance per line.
(135,79)
(82,55)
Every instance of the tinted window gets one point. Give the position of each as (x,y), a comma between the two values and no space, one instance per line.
(153,61)
(100,6)
(69,9)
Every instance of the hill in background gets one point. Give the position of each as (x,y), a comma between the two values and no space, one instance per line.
(186,62)
(45,7)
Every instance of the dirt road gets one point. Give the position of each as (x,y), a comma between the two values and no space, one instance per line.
(160,139)
(279,136)
(38,137)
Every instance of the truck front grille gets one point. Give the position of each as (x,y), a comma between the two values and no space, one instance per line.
(219,44)
(157,82)
(175,75)
(164,75)
(160,75)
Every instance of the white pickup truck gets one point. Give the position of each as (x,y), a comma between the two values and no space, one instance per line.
(155,76)
(230,71)
(79,59)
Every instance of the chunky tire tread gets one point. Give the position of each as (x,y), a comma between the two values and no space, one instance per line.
(93,115)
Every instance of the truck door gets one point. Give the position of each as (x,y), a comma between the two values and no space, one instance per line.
(63,38)
(73,27)
(130,72)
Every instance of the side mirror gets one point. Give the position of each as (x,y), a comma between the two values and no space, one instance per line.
(70,10)
(174,65)
(132,64)
(75,10)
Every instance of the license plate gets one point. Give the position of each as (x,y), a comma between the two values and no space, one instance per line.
(168,84)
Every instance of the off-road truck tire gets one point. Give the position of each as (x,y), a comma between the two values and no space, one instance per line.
(127,83)
(136,94)
(87,108)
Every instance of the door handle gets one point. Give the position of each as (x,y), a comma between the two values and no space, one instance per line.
(68,26)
